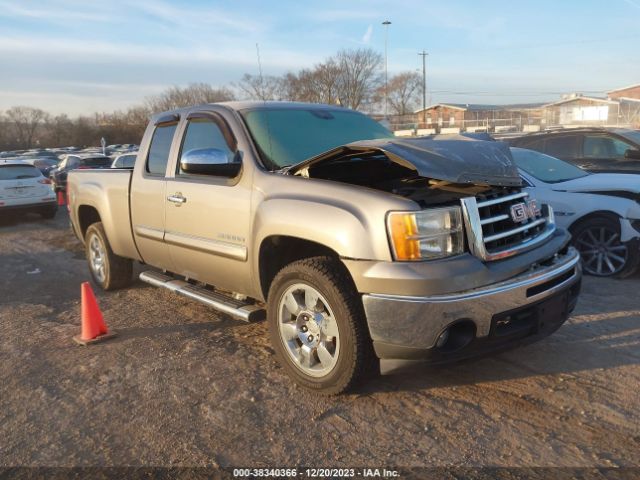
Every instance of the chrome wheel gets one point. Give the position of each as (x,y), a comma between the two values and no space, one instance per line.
(308,330)
(603,254)
(97,258)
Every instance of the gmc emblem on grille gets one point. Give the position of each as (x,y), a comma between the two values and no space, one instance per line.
(520,212)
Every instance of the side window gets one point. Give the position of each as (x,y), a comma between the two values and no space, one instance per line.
(204,133)
(129,161)
(159,148)
(600,146)
(565,147)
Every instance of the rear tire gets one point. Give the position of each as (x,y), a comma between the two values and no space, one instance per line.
(603,254)
(109,271)
(318,327)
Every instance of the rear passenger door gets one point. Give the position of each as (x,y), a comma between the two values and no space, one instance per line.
(148,193)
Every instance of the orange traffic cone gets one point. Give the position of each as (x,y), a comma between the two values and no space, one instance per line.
(61,199)
(93,326)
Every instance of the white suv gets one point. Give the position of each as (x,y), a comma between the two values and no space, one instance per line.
(23,188)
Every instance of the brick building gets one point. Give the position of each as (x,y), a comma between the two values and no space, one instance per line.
(632,91)
(477,117)
(577,109)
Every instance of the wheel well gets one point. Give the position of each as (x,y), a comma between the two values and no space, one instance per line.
(600,213)
(86,216)
(278,251)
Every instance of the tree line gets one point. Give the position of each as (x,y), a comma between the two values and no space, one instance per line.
(351,78)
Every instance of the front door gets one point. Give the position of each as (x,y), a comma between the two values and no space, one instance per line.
(207,217)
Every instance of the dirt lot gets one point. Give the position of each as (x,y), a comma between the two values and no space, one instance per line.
(183,385)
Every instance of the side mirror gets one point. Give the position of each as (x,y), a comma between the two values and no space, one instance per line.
(210,161)
(632,153)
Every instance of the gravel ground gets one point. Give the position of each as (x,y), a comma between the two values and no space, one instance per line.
(182,385)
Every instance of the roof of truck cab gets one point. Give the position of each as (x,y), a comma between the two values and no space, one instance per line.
(259,105)
(254,105)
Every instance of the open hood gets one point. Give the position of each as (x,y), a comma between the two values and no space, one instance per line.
(452,158)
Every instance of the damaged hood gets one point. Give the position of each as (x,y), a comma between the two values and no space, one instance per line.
(452,158)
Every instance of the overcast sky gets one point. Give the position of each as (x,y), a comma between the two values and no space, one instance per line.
(76,57)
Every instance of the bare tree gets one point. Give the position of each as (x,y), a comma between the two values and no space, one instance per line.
(318,85)
(194,94)
(258,87)
(349,78)
(403,91)
(59,131)
(4,140)
(358,76)
(25,122)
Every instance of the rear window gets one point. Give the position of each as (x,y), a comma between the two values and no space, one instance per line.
(159,148)
(96,162)
(126,161)
(18,172)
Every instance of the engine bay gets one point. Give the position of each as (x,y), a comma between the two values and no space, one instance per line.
(375,170)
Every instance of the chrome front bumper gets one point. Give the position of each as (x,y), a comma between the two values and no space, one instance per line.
(417,322)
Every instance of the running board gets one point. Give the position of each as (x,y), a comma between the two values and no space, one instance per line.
(222,303)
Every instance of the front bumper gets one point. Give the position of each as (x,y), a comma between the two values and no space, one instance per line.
(409,326)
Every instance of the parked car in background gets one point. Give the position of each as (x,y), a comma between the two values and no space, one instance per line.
(74,161)
(23,188)
(45,164)
(601,210)
(126,160)
(592,149)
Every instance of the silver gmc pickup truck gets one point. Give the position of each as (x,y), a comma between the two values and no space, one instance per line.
(358,245)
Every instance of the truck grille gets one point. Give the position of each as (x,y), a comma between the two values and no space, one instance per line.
(491,229)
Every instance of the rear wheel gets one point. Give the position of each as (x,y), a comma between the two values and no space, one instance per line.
(108,270)
(603,253)
(318,327)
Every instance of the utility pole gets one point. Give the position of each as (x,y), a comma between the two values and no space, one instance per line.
(386,24)
(424,54)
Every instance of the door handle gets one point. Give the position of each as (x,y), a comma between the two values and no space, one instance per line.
(177,198)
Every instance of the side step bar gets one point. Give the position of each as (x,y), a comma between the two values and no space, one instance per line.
(222,303)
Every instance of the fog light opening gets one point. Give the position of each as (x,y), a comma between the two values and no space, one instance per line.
(456,336)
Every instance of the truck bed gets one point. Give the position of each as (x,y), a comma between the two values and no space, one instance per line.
(106,191)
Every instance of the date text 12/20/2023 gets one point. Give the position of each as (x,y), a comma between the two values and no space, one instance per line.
(315,472)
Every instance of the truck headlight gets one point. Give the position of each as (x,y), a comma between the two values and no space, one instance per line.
(427,234)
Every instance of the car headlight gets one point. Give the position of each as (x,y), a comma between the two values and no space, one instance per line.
(427,234)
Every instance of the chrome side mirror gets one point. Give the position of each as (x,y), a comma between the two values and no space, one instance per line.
(210,161)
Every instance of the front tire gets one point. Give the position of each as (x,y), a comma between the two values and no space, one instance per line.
(108,270)
(603,254)
(318,327)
